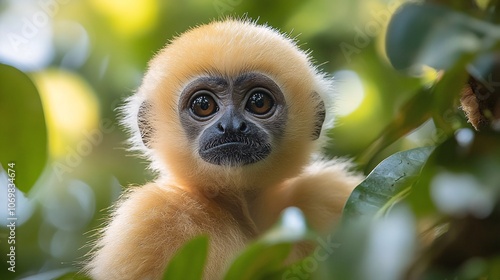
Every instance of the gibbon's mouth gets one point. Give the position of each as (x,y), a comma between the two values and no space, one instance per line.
(229,145)
(234,153)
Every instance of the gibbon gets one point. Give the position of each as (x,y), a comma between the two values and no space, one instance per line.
(232,116)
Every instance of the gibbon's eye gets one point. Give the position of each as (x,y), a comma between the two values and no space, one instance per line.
(204,106)
(259,103)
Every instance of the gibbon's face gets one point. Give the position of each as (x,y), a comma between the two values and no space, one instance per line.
(229,103)
(233,120)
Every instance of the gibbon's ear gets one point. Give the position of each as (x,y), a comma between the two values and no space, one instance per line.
(319,118)
(144,122)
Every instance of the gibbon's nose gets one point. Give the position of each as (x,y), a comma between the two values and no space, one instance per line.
(231,123)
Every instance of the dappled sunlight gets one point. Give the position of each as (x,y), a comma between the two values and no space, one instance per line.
(462,194)
(74,41)
(71,108)
(129,17)
(350,91)
(26,36)
(429,75)
(69,207)
(359,100)
(370,102)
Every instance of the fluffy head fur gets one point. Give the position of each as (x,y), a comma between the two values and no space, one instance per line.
(227,49)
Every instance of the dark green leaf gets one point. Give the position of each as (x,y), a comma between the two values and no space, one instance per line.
(23,139)
(189,262)
(436,36)
(386,183)
(484,66)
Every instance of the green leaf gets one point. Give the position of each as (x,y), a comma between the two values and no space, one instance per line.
(188,263)
(23,133)
(436,36)
(386,184)
(265,258)
(258,260)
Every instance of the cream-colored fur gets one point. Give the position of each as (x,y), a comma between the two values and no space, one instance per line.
(233,205)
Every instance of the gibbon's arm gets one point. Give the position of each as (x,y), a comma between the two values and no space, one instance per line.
(151,224)
(320,191)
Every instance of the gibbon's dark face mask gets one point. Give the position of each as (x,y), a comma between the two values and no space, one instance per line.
(234,120)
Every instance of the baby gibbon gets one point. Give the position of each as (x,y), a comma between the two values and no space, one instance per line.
(232,116)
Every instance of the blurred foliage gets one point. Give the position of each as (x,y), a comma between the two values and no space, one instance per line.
(424,213)
(24,140)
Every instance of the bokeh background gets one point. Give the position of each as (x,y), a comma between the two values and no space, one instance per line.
(85,57)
